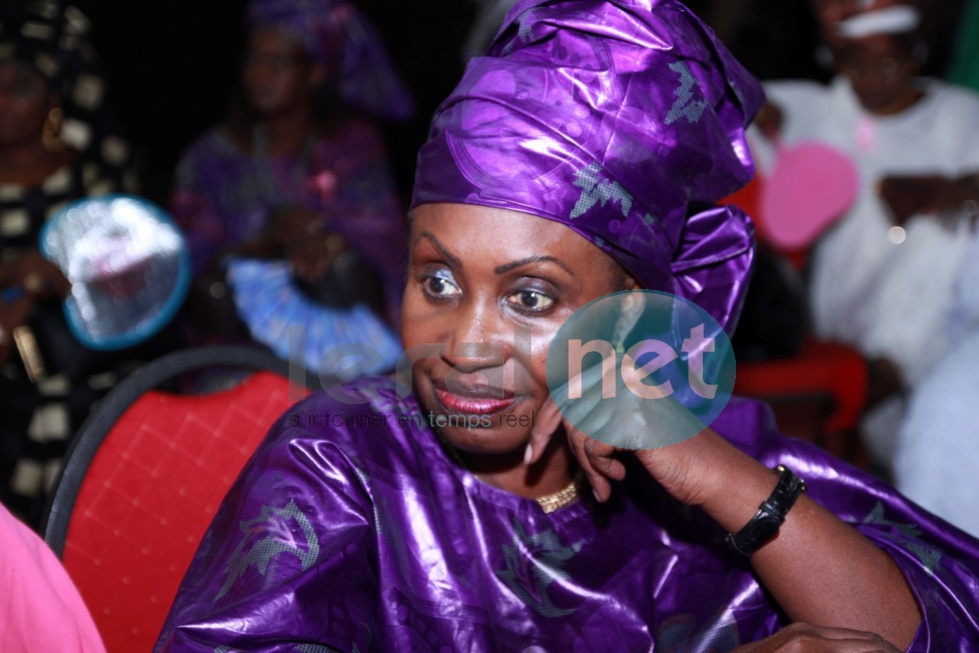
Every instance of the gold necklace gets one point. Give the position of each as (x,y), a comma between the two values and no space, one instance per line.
(548,503)
(559,499)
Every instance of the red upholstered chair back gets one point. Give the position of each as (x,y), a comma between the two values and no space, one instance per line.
(138,493)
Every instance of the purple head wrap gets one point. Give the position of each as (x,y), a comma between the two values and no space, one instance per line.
(338,37)
(624,121)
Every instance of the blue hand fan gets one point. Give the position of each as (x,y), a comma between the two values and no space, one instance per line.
(276,311)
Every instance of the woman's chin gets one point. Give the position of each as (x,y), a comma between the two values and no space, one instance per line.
(479,438)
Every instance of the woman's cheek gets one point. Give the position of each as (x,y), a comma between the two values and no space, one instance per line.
(420,320)
(540,345)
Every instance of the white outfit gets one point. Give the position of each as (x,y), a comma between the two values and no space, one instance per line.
(886,299)
(937,458)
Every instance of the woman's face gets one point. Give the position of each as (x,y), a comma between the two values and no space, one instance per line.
(881,73)
(487,290)
(278,75)
(25,100)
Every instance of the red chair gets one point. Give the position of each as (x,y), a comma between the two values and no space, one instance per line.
(825,384)
(144,478)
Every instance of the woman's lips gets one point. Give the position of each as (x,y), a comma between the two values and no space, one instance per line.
(474,404)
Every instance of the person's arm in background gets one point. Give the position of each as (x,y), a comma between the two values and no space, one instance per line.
(23,281)
(945,198)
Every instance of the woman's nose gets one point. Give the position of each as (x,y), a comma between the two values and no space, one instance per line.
(478,339)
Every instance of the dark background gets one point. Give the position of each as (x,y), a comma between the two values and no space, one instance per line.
(172,66)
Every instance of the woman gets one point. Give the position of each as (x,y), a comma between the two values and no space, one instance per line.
(577,158)
(881,278)
(302,174)
(55,147)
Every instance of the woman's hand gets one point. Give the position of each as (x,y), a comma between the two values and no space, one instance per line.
(661,432)
(22,282)
(311,257)
(947,200)
(769,120)
(805,638)
(12,315)
(598,461)
(957,201)
(293,223)
(906,196)
(286,226)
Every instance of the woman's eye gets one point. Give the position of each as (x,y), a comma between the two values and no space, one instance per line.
(440,286)
(531,300)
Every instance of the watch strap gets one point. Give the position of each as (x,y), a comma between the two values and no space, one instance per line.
(771,513)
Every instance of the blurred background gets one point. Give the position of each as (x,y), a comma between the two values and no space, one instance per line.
(172,66)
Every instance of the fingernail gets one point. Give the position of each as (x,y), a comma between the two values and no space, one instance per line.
(528,453)
(595,492)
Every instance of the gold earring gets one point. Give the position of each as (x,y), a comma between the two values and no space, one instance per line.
(630,312)
(51,136)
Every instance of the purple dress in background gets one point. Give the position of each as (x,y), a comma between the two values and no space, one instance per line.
(224,195)
(351,529)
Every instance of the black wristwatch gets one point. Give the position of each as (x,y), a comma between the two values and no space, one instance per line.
(766,522)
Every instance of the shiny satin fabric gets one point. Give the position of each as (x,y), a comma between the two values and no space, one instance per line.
(622,120)
(352,530)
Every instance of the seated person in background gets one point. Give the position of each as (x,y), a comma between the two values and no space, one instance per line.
(42,611)
(937,459)
(301,172)
(56,146)
(881,278)
(581,156)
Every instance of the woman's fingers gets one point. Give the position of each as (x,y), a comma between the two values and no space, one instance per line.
(819,639)
(597,460)
(599,484)
(546,423)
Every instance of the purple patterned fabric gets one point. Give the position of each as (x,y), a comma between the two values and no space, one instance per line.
(624,121)
(339,37)
(368,537)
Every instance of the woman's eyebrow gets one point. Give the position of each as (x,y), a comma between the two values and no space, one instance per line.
(454,260)
(502,269)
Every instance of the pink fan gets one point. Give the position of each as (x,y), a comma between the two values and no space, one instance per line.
(811,185)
